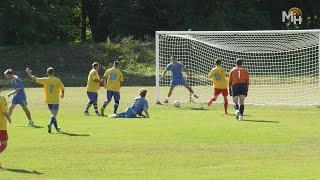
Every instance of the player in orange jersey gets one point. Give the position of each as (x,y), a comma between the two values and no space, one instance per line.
(238,87)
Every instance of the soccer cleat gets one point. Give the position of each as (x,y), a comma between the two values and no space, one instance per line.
(166,101)
(31,124)
(240,118)
(210,102)
(237,114)
(49,129)
(86,113)
(196,96)
(98,114)
(112,116)
(102,111)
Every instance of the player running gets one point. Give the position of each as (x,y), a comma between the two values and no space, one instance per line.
(112,79)
(218,77)
(138,106)
(177,78)
(238,87)
(93,84)
(19,95)
(4,119)
(53,86)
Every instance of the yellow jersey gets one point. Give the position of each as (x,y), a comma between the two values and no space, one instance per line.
(91,85)
(3,109)
(218,77)
(114,78)
(52,87)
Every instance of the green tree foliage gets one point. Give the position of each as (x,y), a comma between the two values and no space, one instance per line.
(70,21)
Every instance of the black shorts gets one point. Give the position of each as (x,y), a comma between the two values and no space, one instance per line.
(240,90)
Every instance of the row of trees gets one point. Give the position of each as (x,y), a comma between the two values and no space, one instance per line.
(71,21)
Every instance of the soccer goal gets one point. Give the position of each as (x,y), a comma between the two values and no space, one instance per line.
(283,65)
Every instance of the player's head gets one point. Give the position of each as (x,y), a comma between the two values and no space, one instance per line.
(116,64)
(143,92)
(95,66)
(174,58)
(50,71)
(239,61)
(218,62)
(8,73)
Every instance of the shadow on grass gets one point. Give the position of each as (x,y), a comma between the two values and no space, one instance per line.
(22,171)
(198,108)
(74,134)
(35,126)
(261,121)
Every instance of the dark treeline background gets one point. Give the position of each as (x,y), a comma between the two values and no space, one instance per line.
(74,21)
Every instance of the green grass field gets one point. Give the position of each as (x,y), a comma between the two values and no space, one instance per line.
(191,142)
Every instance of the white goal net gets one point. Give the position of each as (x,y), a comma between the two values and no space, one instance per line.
(283,65)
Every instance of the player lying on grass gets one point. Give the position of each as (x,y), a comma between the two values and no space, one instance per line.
(238,87)
(53,86)
(4,118)
(218,77)
(93,84)
(177,77)
(112,79)
(138,106)
(19,95)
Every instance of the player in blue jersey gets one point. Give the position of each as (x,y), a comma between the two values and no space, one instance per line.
(138,106)
(177,68)
(18,95)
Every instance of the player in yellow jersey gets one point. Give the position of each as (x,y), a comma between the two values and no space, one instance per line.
(93,84)
(113,79)
(220,85)
(4,118)
(53,86)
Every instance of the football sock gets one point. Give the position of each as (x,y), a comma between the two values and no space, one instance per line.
(55,123)
(52,120)
(236,106)
(241,109)
(88,106)
(115,107)
(104,105)
(225,105)
(95,107)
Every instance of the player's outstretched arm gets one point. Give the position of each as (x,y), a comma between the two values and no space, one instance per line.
(62,94)
(14,92)
(164,73)
(147,113)
(28,70)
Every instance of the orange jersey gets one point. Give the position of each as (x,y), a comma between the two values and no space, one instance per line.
(238,76)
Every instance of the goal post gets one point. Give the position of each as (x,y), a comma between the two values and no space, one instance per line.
(284,65)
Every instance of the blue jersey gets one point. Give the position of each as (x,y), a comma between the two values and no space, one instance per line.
(176,70)
(18,84)
(139,104)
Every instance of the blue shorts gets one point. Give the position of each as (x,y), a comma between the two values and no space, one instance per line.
(114,94)
(176,82)
(239,89)
(92,96)
(53,107)
(19,99)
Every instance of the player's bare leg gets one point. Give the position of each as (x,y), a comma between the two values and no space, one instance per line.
(225,104)
(3,146)
(28,114)
(169,94)
(11,108)
(191,91)
(105,104)
(236,106)
(212,100)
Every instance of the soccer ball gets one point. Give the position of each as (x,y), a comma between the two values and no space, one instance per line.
(176,103)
